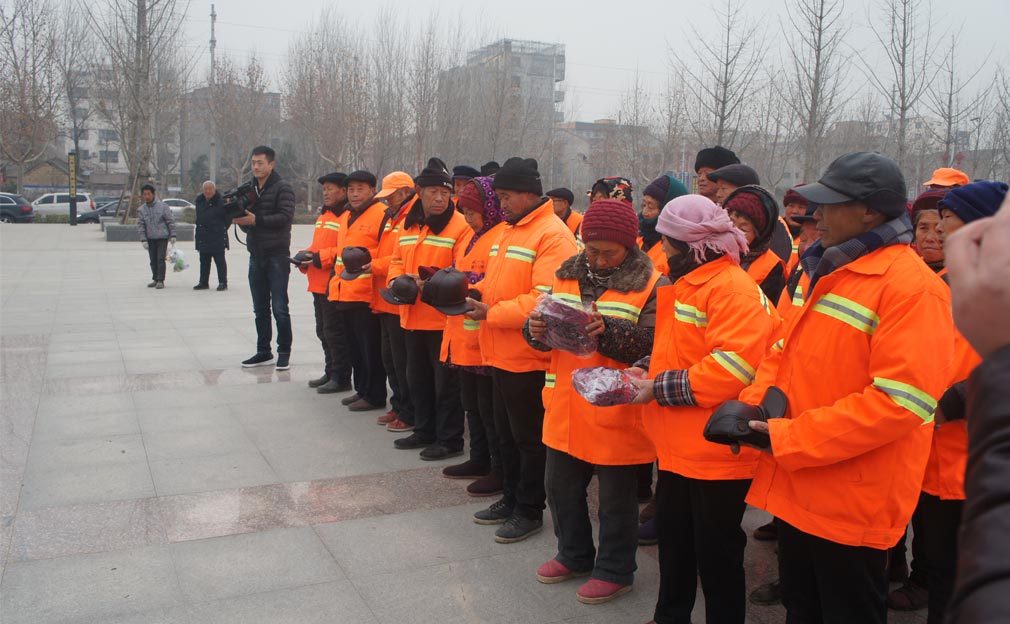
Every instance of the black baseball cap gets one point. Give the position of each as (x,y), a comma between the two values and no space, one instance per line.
(867,177)
(353,259)
(446,291)
(340,179)
(738,174)
(401,291)
(562,193)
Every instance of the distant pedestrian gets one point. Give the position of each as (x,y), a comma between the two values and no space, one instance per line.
(156,227)
(211,236)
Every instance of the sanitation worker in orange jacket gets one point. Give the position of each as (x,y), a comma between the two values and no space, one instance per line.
(618,278)
(433,236)
(657,194)
(862,365)
(351,292)
(521,267)
(713,328)
(318,266)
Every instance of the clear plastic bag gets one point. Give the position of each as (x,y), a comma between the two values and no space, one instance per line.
(604,387)
(177,259)
(566,325)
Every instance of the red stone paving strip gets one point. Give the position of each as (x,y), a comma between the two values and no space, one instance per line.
(61,531)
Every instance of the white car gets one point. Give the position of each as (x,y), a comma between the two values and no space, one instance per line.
(59,203)
(178,205)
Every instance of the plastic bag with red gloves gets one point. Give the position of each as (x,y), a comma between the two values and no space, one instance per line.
(604,387)
(566,325)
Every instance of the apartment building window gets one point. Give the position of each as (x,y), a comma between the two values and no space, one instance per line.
(107,136)
(108,156)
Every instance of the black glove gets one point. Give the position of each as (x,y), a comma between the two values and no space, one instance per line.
(951,404)
(728,423)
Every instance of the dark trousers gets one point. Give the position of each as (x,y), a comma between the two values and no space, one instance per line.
(830,583)
(364,339)
(698,525)
(330,331)
(268,284)
(219,262)
(434,390)
(476,393)
(157,248)
(519,422)
(567,480)
(644,481)
(394,360)
(941,520)
(897,555)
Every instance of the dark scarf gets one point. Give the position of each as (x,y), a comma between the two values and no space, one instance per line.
(517,219)
(647,228)
(338,209)
(818,261)
(684,263)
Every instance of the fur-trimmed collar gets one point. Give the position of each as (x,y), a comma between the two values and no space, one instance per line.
(633,274)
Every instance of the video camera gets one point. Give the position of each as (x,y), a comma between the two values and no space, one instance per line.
(236,201)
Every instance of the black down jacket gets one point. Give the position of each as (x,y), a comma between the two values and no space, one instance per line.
(211,224)
(274,210)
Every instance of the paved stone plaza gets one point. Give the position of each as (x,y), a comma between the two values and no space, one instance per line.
(146,477)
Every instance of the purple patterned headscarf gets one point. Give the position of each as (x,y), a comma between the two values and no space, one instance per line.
(493,213)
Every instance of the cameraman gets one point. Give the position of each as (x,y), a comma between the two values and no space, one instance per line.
(267,223)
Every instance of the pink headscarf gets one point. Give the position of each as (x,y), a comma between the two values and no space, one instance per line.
(700,224)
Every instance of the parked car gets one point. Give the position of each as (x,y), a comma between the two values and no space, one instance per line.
(15,209)
(178,205)
(108,209)
(59,203)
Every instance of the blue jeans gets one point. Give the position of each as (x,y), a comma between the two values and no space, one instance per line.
(268,283)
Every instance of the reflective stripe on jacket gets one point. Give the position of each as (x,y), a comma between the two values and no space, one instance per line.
(520,268)
(364,232)
(324,244)
(419,246)
(380,261)
(461,339)
(862,365)
(609,436)
(717,324)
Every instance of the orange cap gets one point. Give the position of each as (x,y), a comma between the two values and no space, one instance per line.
(393,182)
(945,176)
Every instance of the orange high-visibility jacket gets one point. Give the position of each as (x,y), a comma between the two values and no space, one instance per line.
(862,365)
(790,305)
(763,265)
(794,257)
(324,244)
(461,340)
(380,261)
(717,324)
(656,254)
(608,436)
(419,246)
(364,232)
(520,268)
(574,221)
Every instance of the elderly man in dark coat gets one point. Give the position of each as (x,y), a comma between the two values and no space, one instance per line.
(211,236)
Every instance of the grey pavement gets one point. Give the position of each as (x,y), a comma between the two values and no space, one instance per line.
(146,478)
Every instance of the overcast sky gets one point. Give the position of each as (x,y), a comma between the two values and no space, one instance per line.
(606,41)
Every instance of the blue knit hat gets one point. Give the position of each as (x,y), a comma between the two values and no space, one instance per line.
(975,201)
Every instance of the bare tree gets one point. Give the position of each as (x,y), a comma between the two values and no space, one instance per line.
(769,133)
(427,62)
(30,89)
(388,68)
(77,66)
(723,74)
(904,32)
(240,113)
(947,98)
(818,71)
(636,149)
(139,38)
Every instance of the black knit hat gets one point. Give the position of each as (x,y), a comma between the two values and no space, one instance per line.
(562,193)
(489,168)
(715,157)
(465,172)
(362,176)
(434,174)
(519,174)
(340,179)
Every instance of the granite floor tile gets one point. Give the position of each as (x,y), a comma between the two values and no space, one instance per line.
(80,354)
(250,564)
(89,587)
(204,474)
(60,531)
(87,484)
(206,441)
(49,455)
(162,419)
(97,369)
(161,365)
(85,425)
(72,405)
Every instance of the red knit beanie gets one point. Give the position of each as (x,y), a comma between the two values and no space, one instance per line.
(470,197)
(749,205)
(610,220)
